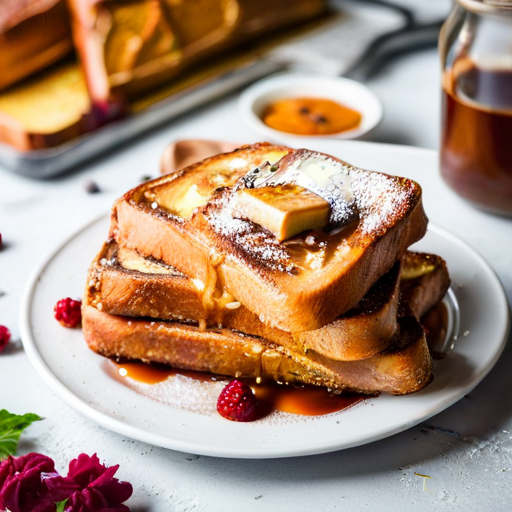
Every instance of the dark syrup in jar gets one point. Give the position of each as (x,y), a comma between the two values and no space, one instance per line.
(476,145)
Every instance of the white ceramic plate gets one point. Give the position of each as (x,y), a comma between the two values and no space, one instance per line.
(356,95)
(78,375)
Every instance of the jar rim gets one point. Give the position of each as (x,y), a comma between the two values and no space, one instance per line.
(487,6)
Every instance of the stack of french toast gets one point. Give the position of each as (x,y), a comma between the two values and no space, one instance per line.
(271,263)
(125,51)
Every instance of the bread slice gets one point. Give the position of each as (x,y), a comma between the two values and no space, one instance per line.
(121,282)
(33,35)
(45,110)
(130,48)
(179,219)
(425,280)
(405,367)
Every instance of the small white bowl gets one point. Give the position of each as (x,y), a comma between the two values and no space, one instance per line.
(257,97)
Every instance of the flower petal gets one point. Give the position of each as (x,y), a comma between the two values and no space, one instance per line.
(91,500)
(58,488)
(22,489)
(89,472)
(85,469)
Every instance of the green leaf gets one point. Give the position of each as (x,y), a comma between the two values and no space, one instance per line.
(61,505)
(11,427)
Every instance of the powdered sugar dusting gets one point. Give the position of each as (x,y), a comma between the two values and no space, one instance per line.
(250,239)
(379,199)
(200,397)
(377,202)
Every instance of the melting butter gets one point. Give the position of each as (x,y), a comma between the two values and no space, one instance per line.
(320,174)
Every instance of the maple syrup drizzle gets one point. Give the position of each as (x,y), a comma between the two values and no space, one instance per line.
(305,401)
(154,373)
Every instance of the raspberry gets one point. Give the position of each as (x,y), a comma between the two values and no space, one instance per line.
(68,312)
(5,336)
(237,402)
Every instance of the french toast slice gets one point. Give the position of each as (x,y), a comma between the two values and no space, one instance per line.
(122,282)
(294,285)
(405,367)
(33,35)
(424,281)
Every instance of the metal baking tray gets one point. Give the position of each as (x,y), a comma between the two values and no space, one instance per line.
(336,43)
(206,82)
(45,163)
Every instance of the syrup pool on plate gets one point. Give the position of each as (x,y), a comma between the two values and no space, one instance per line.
(272,397)
(198,391)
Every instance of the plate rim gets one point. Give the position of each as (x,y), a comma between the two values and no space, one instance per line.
(141,434)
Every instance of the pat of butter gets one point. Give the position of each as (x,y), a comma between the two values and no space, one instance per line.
(323,175)
(285,210)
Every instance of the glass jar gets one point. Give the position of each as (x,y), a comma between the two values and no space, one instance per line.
(475,46)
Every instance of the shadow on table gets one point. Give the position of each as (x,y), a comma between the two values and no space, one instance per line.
(12,348)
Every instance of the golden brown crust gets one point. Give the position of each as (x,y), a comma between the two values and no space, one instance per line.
(361,332)
(33,35)
(404,368)
(63,109)
(292,301)
(427,284)
(119,291)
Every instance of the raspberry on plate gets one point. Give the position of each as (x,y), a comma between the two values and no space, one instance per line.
(68,312)
(237,402)
(5,336)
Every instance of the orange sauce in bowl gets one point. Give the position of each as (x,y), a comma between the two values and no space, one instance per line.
(310,116)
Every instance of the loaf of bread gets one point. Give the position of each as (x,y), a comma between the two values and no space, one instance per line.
(125,50)
(128,49)
(33,35)
(46,110)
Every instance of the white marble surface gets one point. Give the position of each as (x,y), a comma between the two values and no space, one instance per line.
(467,450)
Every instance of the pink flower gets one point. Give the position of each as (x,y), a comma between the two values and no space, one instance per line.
(31,484)
(23,484)
(98,490)
(5,336)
